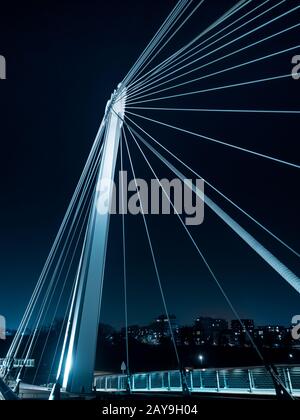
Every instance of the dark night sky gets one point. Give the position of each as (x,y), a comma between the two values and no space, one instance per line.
(63,61)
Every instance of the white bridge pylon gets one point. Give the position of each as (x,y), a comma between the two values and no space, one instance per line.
(76,368)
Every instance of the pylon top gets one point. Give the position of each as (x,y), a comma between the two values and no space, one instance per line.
(117,102)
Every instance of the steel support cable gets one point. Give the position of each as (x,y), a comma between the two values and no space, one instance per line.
(170,38)
(212,273)
(153,80)
(193,241)
(124,259)
(160,34)
(220,59)
(76,220)
(54,277)
(233,53)
(78,216)
(206,76)
(209,184)
(167,30)
(154,40)
(88,177)
(17,344)
(214,61)
(290,277)
(219,21)
(55,245)
(228,43)
(30,308)
(70,314)
(63,286)
(153,256)
(218,88)
(251,111)
(170,59)
(32,341)
(211,139)
(156,80)
(63,326)
(196,92)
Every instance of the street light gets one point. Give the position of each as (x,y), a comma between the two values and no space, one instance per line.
(201,358)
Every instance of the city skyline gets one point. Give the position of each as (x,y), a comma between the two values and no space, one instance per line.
(180,324)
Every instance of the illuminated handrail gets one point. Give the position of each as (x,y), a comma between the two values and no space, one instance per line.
(256,380)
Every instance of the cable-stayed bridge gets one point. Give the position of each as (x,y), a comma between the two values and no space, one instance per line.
(71,282)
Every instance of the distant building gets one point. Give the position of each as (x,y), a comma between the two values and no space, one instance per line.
(241,330)
(145,335)
(273,336)
(209,330)
(242,325)
(155,332)
(227,338)
(162,324)
(186,336)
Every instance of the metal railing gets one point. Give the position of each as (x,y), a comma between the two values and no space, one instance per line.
(29,363)
(256,380)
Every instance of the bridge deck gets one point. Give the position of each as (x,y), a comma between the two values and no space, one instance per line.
(243,381)
(254,382)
